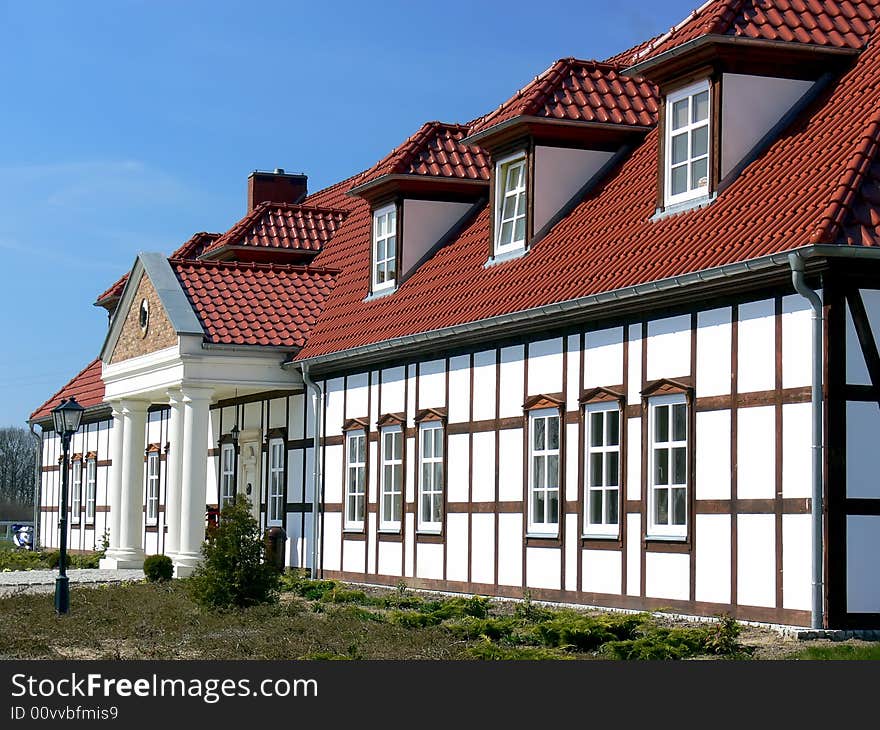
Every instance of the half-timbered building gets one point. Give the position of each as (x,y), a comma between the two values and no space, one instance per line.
(613,343)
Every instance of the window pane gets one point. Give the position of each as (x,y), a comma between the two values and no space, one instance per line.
(679,469)
(437,503)
(596,506)
(700,173)
(553,471)
(661,424)
(359,509)
(398,444)
(392,220)
(596,470)
(426,476)
(361,479)
(678,506)
(679,180)
(661,466)
(538,476)
(509,209)
(392,246)
(611,516)
(396,508)
(700,107)
(380,226)
(538,507)
(398,476)
(661,506)
(506,233)
(386,508)
(438,442)
(553,432)
(538,437)
(380,250)
(426,508)
(519,233)
(700,141)
(679,148)
(553,504)
(611,470)
(388,484)
(613,421)
(596,419)
(679,422)
(680,114)
(388,445)
(438,476)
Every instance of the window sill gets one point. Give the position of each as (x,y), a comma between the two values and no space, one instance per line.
(500,258)
(682,207)
(543,540)
(601,536)
(390,536)
(372,296)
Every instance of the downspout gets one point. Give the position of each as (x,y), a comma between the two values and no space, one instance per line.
(316,471)
(38,483)
(797,277)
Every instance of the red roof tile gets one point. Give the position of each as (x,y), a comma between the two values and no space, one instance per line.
(436,150)
(254,304)
(196,245)
(282,226)
(87,387)
(835,23)
(801,190)
(114,292)
(862,225)
(585,91)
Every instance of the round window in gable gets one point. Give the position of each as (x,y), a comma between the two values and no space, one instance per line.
(144,316)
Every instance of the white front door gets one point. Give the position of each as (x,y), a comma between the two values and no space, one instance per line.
(249,468)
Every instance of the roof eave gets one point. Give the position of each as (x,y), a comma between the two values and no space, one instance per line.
(527,124)
(650,67)
(418,185)
(91,413)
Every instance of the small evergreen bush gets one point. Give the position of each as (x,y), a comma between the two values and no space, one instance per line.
(233,573)
(158,568)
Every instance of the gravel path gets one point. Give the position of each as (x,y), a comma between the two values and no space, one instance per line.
(43,581)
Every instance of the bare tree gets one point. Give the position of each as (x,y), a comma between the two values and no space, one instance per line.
(17,463)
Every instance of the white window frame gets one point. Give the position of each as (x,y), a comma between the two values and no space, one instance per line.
(544,528)
(388,523)
(430,487)
(687,93)
(605,528)
(275,498)
(502,168)
(387,213)
(355,479)
(667,530)
(91,489)
(152,500)
(227,475)
(76,491)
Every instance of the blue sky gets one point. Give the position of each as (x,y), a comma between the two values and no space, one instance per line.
(128,126)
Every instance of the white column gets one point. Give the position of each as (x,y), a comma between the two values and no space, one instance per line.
(173,465)
(194,478)
(114,488)
(130,553)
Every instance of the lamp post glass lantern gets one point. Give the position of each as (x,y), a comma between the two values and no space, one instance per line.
(67,416)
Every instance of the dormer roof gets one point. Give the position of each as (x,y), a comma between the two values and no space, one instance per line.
(271,229)
(432,159)
(577,94)
(804,34)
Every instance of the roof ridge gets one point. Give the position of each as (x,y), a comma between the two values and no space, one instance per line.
(859,163)
(255,265)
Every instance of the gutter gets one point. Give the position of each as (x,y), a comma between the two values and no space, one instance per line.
(38,483)
(317,476)
(595,305)
(796,262)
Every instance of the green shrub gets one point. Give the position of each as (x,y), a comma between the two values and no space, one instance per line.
(587,633)
(158,568)
(496,628)
(490,651)
(659,643)
(233,572)
(84,560)
(722,637)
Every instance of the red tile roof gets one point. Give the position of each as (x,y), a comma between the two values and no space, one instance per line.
(835,23)
(801,190)
(196,245)
(585,91)
(435,149)
(87,387)
(114,292)
(862,225)
(254,304)
(282,226)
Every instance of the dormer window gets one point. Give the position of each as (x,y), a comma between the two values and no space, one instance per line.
(384,248)
(687,143)
(510,204)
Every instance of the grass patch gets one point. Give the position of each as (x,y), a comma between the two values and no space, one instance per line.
(11,560)
(860,652)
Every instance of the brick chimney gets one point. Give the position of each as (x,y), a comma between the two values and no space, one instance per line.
(275,187)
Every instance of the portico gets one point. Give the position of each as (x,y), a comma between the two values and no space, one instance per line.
(186,376)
